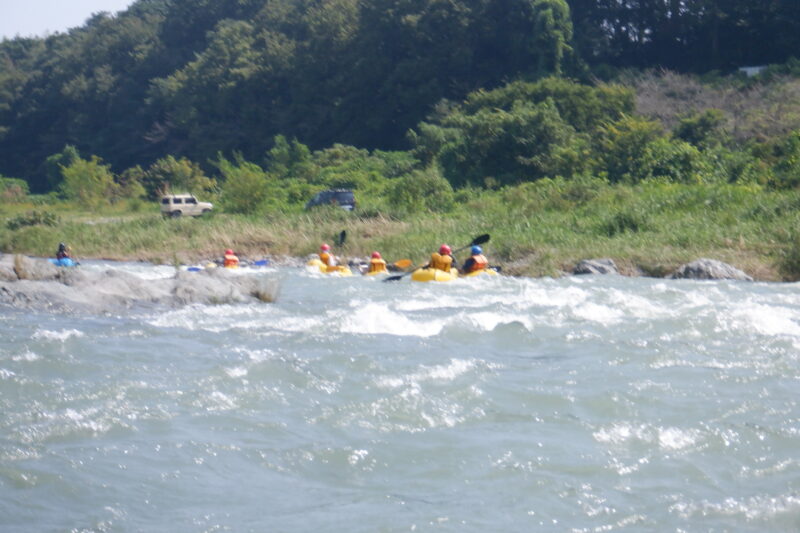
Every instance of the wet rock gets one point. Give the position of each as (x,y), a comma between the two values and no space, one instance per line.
(71,289)
(34,269)
(596,266)
(709,269)
(7,268)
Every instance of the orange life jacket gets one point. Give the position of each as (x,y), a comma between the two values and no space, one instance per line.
(327,258)
(230,260)
(442,262)
(377,265)
(479,262)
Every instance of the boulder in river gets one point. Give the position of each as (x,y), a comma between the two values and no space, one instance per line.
(709,269)
(37,284)
(596,266)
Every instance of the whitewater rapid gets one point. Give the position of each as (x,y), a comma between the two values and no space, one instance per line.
(599,403)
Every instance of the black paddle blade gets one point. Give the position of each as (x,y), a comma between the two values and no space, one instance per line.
(480,239)
(394,278)
(342,238)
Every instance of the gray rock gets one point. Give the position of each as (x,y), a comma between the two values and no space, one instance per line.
(71,289)
(34,269)
(596,266)
(709,269)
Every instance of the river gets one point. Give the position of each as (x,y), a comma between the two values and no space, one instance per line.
(580,404)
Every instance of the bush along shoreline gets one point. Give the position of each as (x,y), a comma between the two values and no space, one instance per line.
(542,228)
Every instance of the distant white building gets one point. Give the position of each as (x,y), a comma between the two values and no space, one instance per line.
(752,71)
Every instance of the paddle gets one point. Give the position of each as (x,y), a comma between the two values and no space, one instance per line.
(341,238)
(403,263)
(480,239)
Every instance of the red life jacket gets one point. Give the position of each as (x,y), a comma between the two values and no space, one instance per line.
(230,260)
(479,262)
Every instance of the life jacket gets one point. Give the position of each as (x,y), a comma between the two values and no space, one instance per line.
(62,255)
(328,259)
(230,261)
(377,265)
(479,262)
(442,262)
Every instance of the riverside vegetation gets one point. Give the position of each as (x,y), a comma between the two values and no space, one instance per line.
(555,147)
(541,228)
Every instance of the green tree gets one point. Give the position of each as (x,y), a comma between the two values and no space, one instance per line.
(90,183)
(245,185)
(622,145)
(421,190)
(176,175)
(54,164)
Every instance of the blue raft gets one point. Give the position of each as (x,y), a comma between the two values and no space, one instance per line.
(63,262)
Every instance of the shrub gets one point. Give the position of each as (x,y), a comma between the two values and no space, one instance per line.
(33,218)
(13,190)
(701,129)
(422,190)
(90,183)
(621,146)
(245,187)
(178,175)
(631,220)
(789,263)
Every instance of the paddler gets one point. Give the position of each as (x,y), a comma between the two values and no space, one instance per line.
(63,251)
(230,260)
(326,256)
(476,261)
(443,260)
(376,264)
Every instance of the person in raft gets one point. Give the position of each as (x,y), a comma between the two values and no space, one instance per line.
(230,260)
(326,256)
(63,251)
(443,260)
(376,264)
(477,261)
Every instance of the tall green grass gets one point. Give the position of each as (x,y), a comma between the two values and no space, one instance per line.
(540,228)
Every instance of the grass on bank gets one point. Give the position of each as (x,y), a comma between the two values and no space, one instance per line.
(539,228)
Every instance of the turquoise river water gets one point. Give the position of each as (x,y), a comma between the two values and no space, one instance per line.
(580,404)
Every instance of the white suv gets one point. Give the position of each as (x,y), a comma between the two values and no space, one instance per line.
(175,205)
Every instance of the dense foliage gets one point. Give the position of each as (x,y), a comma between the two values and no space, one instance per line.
(193,78)
(423,107)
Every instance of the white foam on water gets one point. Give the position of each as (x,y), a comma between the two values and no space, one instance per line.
(601,314)
(374,319)
(765,320)
(236,371)
(669,438)
(61,335)
(677,439)
(448,372)
(27,356)
(217,401)
(489,321)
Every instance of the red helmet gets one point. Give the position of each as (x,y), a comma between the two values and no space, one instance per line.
(376,255)
(444,249)
(324,247)
(228,252)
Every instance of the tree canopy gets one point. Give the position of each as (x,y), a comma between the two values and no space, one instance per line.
(194,78)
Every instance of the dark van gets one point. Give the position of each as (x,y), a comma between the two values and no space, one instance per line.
(342,197)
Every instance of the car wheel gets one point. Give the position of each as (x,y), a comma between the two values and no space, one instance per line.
(175,214)
(206,211)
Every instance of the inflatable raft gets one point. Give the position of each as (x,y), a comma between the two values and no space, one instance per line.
(63,262)
(340,270)
(433,274)
(483,272)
